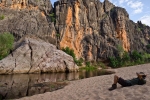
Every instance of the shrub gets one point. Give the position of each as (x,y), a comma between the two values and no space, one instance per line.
(113,62)
(126,57)
(71,53)
(2,17)
(136,56)
(88,64)
(88,67)
(79,62)
(129,60)
(119,61)
(102,65)
(138,29)
(120,50)
(52,16)
(57,35)
(6,44)
(148,46)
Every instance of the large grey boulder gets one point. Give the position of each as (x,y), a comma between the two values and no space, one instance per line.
(36,56)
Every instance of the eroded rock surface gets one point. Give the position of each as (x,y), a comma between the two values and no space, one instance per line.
(94,29)
(36,56)
(21,17)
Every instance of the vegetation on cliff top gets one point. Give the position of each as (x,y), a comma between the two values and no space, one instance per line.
(6,44)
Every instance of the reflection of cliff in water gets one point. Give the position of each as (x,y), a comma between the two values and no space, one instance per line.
(21,85)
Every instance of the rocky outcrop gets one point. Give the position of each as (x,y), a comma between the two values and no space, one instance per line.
(94,30)
(36,56)
(21,17)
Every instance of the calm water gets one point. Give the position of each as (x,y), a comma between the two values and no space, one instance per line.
(21,85)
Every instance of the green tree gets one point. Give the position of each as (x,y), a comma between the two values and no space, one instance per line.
(71,53)
(52,16)
(6,44)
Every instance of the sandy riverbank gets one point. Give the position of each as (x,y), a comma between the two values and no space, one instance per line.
(96,88)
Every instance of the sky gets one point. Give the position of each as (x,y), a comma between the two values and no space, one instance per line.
(139,10)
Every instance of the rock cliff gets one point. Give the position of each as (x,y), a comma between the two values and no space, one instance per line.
(21,17)
(93,29)
(33,55)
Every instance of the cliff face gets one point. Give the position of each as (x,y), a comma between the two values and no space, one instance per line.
(91,28)
(94,30)
(21,17)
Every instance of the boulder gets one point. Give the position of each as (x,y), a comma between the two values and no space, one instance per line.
(33,55)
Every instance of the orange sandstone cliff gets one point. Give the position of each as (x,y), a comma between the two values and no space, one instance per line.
(93,29)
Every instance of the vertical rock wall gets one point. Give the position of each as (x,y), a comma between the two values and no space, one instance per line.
(94,30)
(30,17)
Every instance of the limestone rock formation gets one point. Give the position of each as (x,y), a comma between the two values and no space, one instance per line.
(21,17)
(36,56)
(94,30)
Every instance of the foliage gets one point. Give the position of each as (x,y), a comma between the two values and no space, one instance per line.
(102,65)
(120,50)
(113,62)
(138,29)
(89,67)
(71,53)
(6,44)
(126,57)
(79,62)
(136,56)
(57,35)
(2,17)
(127,60)
(148,46)
(146,57)
(52,16)
(88,64)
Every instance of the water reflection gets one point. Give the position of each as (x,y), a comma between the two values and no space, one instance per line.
(20,85)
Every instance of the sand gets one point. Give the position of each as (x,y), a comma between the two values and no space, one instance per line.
(96,88)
